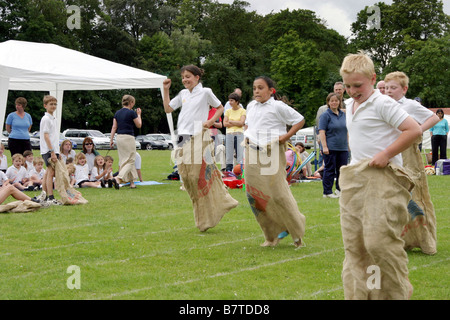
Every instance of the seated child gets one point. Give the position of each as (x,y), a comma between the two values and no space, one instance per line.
(108,167)
(3,159)
(66,151)
(99,171)
(3,179)
(37,173)
(28,160)
(82,173)
(71,171)
(17,174)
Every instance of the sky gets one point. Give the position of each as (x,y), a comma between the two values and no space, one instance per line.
(339,15)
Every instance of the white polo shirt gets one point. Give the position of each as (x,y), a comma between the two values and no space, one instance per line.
(373,127)
(48,125)
(267,121)
(417,111)
(195,107)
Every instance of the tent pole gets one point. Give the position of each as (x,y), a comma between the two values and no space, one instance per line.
(59,95)
(4,87)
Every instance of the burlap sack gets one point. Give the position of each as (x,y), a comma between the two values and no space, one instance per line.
(269,195)
(420,231)
(19,206)
(62,183)
(373,206)
(203,181)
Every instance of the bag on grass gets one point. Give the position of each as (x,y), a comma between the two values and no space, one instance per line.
(19,206)
(203,181)
(269,195)
(420,231)
(62,183)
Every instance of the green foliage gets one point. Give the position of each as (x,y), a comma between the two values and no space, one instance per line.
(233,45)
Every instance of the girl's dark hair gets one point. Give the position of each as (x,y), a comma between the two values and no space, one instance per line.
(196,71)
(271,84)
(338,96)
(234,96)
(439,111)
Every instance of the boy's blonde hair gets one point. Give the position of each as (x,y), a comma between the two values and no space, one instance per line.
(17,156)
(358,63)
(38,160)
(398,76)
(49,98)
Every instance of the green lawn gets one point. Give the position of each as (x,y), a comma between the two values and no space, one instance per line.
(143,244)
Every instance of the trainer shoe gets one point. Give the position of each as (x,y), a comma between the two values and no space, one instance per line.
(331,195)
(40,198)
(54,202)
(337,192)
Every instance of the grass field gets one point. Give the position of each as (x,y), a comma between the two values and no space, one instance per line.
(143,244)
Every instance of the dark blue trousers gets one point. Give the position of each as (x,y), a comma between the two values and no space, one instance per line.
(333,163)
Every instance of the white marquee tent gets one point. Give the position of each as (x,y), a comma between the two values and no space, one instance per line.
(30,66)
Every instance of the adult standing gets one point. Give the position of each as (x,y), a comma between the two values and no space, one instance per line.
(227,105)
(333,135)
(439,135)
(18,125)
(340,90)
(234,121)
(123,124)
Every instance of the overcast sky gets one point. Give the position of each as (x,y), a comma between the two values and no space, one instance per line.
(339,15)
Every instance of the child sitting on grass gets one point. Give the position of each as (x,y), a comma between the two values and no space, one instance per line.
(82,173)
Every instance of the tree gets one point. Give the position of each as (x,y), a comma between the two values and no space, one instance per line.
(296,68)
(428,70)
(405,26)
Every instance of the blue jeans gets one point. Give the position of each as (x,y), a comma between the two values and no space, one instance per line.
(233,142)
(333,163)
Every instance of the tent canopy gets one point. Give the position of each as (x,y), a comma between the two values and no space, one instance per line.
(31,66)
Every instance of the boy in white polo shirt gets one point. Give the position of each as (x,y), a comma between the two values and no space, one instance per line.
(49,143)
(375,190)
(420,232)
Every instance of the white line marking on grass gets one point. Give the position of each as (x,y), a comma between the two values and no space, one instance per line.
(221,274)
(428,265)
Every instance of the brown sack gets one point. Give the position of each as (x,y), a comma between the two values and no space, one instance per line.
(62,183)
(373,205)
(269,195)
(420,231)
(203,181)
(19,206)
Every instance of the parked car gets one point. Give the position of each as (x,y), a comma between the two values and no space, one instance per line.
(162,137)
(35,144)
(149,143)
(37,137)
(78,135)
(138,145)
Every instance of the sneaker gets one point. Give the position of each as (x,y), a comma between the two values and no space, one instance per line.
(331,195)
(337,192)
(53,202)
(40,198)
(282,235)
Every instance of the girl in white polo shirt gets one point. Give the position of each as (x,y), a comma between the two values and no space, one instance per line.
(268,192)
(202,181)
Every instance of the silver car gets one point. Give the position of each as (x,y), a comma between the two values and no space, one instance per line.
(78,135)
